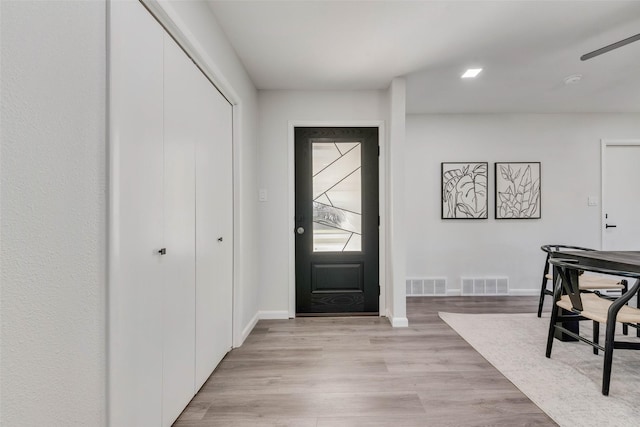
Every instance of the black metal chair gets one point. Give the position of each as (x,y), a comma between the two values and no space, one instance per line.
(587,282)
(591,306)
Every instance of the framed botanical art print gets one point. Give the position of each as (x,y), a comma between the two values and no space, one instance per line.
(464,190)
(518,190)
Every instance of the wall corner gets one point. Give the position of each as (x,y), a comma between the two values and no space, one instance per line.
(395,233)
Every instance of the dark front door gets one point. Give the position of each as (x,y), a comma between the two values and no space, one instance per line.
(336,220)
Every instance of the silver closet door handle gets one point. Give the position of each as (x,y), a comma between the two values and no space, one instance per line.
(300,230)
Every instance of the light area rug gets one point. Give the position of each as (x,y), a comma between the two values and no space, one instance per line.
(567,387)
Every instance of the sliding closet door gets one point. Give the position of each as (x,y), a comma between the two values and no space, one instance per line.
(135,216)
(214,231)
(170,311)
(181,133)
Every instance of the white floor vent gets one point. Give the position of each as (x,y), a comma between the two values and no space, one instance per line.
(485,286)
(428,286)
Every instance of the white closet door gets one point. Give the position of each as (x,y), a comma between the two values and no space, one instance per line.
(181,132)
(214,231)
(135,216)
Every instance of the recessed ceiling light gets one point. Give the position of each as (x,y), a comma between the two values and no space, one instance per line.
(572,79)
(471,73)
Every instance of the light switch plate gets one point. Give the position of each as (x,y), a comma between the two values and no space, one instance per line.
(592,201)
(262,195)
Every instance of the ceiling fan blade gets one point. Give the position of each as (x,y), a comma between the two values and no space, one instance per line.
(610,47)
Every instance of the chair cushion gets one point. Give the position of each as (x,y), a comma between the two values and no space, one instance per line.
(588,282)
(596,308)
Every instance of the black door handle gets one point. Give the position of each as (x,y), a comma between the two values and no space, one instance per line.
(610,226)
(163,251)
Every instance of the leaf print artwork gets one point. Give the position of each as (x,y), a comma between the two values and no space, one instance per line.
(464,190)
(518,190)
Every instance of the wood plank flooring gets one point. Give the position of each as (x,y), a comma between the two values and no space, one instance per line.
(359,371)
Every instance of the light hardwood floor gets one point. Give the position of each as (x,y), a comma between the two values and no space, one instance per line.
(359,371)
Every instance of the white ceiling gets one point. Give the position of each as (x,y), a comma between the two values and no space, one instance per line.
(526,49)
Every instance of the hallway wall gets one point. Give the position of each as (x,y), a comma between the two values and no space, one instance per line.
(276,110)
(53,218)
(567,145)
(54,201)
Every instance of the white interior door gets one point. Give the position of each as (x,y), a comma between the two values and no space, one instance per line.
(214,230)
(180,134)
(621,196)
(135,216)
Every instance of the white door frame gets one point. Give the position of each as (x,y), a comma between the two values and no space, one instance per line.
(292,201)
(604,143)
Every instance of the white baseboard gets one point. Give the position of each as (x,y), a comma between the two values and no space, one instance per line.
(259,316)
(274,314)
(512,292)
(524,292)
(397,322)
(247,330)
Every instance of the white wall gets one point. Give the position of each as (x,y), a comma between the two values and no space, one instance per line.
(53,171)
(276,110)
(568,147)
(53,217)
(199,23)
(395,231)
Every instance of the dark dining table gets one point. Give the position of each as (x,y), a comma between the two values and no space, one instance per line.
(610,260)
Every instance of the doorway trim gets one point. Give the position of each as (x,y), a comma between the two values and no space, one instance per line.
(604,144)
(382,140)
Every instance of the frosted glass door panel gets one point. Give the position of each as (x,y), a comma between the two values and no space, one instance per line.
(337,196)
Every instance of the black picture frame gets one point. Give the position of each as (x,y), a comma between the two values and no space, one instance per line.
(464,188)
(518,190)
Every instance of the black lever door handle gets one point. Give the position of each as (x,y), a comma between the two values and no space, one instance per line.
(610,226)
(163,251)
(219,239)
